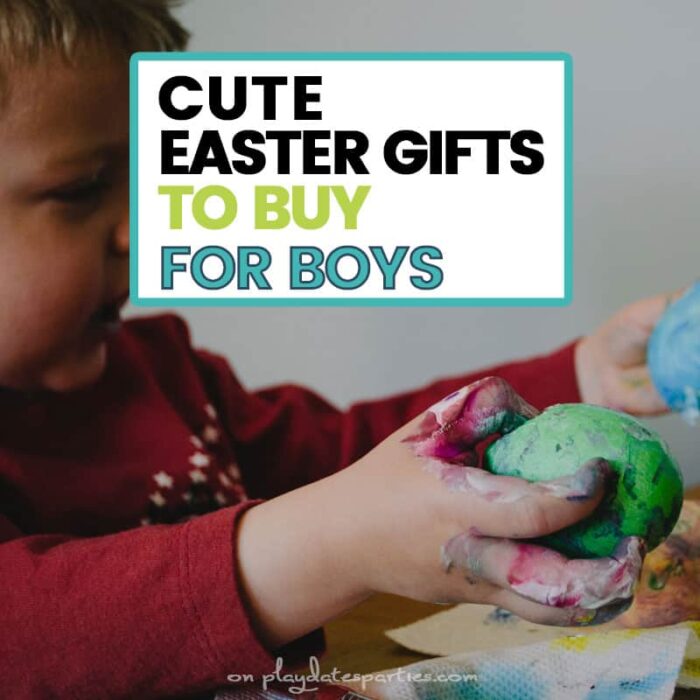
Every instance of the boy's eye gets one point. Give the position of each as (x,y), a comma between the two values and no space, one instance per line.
(80,192)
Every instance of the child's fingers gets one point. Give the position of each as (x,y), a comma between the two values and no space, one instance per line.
(646,312)
(545,576)
(450,429)
(634,324)
(638,394)
(507,506)
(559,617)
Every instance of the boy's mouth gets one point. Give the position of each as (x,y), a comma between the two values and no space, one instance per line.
(107,317)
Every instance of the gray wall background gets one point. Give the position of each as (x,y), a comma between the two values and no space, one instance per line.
(636,179)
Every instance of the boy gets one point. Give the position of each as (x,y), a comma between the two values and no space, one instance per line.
(108,427)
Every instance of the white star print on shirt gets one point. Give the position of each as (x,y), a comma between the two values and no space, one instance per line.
(164,481)
(210,434)
(210,485)
(197,476)
(196,442)
(199,459)
(158,499)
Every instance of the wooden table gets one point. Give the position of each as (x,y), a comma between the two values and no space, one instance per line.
(357,643)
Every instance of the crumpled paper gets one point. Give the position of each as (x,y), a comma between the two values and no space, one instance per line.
(614,665)
(483,629)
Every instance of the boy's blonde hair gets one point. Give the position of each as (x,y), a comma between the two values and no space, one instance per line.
(31,28)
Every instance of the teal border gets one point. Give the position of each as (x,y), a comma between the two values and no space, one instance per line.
(344,56)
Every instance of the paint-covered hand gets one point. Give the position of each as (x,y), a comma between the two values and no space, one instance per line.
(669,588)
(439,528)
(611,363)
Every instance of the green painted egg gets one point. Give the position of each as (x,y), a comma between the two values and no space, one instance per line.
(646,497)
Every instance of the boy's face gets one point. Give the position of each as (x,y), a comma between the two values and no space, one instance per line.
(63,220)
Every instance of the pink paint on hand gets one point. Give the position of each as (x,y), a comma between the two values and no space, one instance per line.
(450,431)
(548,577)
(453,427)
(545,576)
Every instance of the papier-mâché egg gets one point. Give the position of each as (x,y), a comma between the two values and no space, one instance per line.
(644,500)
(673,354)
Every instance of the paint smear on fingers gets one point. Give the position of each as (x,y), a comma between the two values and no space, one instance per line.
(545,576)
(451,429)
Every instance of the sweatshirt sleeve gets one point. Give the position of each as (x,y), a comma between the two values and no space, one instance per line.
(150,612)
(288,436)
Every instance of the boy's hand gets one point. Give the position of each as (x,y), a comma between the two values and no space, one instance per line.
(611,363)
(438,528)
(417,517)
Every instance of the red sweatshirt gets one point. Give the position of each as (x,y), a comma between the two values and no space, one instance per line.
(92,604)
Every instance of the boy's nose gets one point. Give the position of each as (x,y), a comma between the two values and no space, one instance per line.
(120,237)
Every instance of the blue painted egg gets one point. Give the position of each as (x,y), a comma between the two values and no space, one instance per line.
(673,354)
